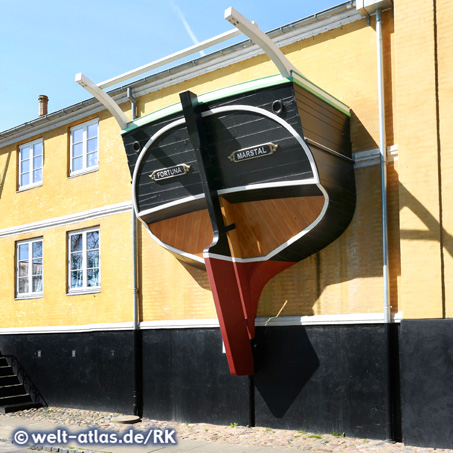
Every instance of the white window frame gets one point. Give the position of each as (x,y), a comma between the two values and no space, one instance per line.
(32,183)
(84,288)
(30,294)
(85,168)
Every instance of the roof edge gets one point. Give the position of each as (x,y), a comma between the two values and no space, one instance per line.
(309,26)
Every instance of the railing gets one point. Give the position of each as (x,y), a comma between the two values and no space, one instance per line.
(24,379)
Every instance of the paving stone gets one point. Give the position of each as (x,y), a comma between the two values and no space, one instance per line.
(279,439)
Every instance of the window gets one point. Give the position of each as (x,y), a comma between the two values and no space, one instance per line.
(84,147)
(30,164)
(84,265)
(29,256)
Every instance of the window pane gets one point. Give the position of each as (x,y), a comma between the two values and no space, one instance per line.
(76,261)
(77,164)
(76,242)
(37,249)
(77,135)
(93,259)
(92,159)
(76,279)
(25,166)
(93,240)
(93,277)
(37,149)
(23,285)
(37,267)
(37,284)
(77,150)
(23,252)
(92,130)
(25,153)
(92,145)
(25,179)
(23,268)
(37,175)
(37,162)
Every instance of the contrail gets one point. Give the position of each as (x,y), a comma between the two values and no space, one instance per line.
(186,25)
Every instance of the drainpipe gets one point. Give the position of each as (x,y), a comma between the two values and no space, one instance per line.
(385,255)
(133,103)
(138,368)
(383,152)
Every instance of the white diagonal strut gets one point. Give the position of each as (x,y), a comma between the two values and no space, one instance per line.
(260,39)
(242,25)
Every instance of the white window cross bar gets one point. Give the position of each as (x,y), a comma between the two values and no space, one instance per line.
(243,26)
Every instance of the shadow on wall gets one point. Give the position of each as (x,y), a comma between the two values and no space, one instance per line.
(281,371)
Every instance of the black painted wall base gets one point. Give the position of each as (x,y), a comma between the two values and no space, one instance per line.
(320,378)
(427,382)
(90,370)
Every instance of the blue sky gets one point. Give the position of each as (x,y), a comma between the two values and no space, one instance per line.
(43,44)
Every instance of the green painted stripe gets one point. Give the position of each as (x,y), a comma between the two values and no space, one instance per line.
(241,88)
(208,97)
(321,94)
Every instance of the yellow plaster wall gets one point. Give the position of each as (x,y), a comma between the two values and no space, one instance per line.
(445,69)
(346,277)
(170,290)
(421,271)
(56,308)
(59,194)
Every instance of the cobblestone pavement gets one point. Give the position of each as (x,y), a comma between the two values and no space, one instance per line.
(278,439)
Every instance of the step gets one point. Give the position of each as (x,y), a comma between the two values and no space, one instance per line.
(3,361)
(6,371)
(6,400)
(9,380)
(18,407)
(12,390)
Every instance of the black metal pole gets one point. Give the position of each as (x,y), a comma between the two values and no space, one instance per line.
(138,374)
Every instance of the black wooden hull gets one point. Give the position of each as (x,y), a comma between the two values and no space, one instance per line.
(243,172)
(299,168)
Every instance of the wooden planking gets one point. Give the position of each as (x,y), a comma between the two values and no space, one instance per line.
(322,123)
(261,226)
(229,132)
(191,232)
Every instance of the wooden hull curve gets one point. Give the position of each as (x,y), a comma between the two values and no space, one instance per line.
(274,209)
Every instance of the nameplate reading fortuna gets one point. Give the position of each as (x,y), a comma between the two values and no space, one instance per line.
(252,153)
(170,172)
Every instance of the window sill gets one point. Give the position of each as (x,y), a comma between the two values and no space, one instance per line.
(83,172)
(78,292)
(29,187)
(29,296)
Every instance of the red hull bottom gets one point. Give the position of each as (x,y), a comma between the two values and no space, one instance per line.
(236,288)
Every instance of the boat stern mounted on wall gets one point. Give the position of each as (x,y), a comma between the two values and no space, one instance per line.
(244,182)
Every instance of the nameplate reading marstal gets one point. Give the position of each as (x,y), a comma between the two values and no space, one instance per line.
(252,153)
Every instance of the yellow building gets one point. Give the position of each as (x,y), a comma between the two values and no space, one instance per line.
(330,355)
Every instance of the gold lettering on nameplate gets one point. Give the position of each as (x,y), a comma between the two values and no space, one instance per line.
(266,149)
(170,172)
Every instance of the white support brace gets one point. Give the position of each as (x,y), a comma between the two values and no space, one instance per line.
(171,58)
(261,39)
(242,25)
(103,98)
